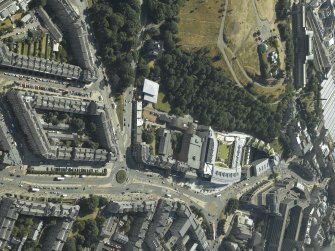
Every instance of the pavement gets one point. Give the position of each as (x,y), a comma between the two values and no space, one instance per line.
(127,115)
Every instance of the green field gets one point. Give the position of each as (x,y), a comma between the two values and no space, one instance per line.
(153,146)
(6,24)
(162,105)
(25,49)
(90,216)
(44,44)
(220,164)
(31,49)
(223,152)
(36,48)
(19,48)
(121,176)
(277,147)
(48,52)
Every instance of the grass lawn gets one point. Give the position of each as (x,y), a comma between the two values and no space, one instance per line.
(37,49)
(273,91)
(266,9)
(44,41)
(239,74)
(91,216)
(220,164)
(153,146)
(6,24)
(17,16)
(161,105)
(119,110)
(309,102)
(48,52)
(223,152)
(151,64)
(25,49)
(240,24)
(200,23)
(19,48)
(121,176)
(31,49)
(277,146)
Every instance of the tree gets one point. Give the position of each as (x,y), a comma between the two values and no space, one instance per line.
(79,226)
(28,222)
(284,31)
(142,69)
(37,3)
(90,233)
(54,121)
(100,221)
(159,10)
(102,201)
(70,244)
(31,246)
(92,127)
(170,26)
(232,205)
(77,124)
(62,116)
(153,32)
(80,239)
(19,23)
(282,9)
(116,25)
(88,205)
(148,136)
(194,86)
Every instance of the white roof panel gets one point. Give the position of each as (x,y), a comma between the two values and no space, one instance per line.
(150,90)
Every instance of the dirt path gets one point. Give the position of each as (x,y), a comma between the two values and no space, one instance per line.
(238,63)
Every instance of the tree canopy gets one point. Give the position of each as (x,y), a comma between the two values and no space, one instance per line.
(191,83)
(70,244)
(160,10)
(90,204)
(232,206)
(283,9)
(116,24)
(90,232)
(194,86)
(78,124)
(148,136)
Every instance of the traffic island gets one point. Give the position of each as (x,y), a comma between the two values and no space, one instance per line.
(121,176)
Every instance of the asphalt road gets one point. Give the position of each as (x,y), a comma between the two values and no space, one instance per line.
(138,181)
(127,115)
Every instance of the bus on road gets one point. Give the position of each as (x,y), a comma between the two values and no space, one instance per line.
(34,189)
